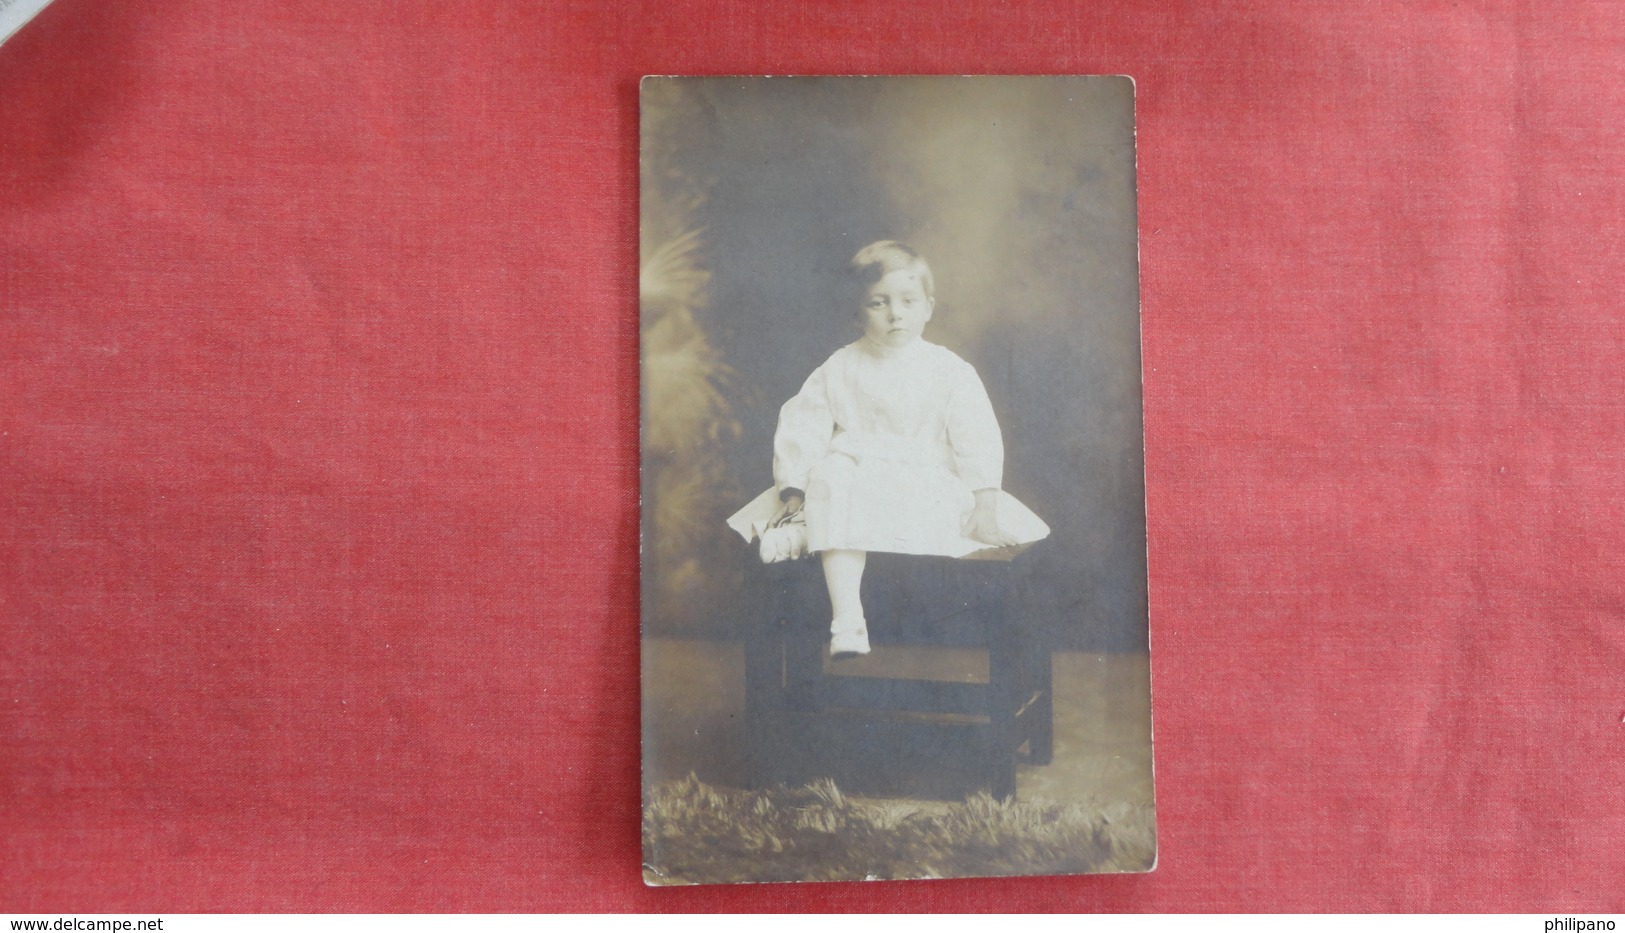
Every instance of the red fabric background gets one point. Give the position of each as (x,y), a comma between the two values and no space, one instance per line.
(319,433)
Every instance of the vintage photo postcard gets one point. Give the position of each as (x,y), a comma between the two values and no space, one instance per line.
(894,540)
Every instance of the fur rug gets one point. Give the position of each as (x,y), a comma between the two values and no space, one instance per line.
(697,834)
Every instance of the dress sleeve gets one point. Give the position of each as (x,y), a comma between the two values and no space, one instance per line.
(806,427)
(973,434)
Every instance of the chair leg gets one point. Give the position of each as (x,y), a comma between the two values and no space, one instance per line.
(1004,776)
(1043,714)
(1005,690)
(1040,686)
(782,666)
(764,701)
(805,614)
(757,754)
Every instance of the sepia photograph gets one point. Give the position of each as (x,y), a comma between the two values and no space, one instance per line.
(894,592)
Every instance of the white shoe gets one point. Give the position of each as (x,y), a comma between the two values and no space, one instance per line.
(849,642)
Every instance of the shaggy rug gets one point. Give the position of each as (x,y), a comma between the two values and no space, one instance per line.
(697,834)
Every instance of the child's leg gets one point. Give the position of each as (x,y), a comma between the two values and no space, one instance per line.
(843,574)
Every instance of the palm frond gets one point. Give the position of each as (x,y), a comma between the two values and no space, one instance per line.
(672,275)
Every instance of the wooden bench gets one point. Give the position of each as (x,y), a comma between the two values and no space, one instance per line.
(809,717)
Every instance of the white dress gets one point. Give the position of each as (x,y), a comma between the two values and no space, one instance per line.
(888,445)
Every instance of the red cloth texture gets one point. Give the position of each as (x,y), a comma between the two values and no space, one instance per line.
(318,419)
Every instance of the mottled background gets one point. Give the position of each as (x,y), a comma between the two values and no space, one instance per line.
(1020,192)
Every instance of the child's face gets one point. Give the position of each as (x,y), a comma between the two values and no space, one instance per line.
(895,309)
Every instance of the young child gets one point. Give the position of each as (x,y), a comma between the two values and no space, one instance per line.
(890,446)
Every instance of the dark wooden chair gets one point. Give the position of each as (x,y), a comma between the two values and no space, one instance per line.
(808,716)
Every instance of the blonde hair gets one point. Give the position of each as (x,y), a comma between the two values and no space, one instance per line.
(883,257)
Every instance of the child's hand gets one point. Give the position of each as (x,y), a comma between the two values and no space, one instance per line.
(791,508)
(983,524)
